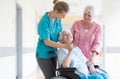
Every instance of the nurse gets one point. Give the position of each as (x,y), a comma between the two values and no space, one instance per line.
(49,28)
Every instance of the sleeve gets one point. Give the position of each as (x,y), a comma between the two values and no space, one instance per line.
(73,30)
(97,41)
(62,54)
(43,29)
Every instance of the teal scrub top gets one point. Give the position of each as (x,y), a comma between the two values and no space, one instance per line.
(47,30)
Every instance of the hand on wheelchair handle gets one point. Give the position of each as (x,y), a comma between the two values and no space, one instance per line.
(92,69)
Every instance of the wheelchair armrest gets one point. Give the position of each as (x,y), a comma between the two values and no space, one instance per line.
(69,73)
(96,66)
(66,69)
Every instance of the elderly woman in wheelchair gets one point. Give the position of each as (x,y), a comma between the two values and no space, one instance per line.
(74,58)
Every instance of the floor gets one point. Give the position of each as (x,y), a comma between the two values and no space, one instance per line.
(32,71)
(30,67)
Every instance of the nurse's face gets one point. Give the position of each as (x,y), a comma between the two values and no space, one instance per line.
(60,15)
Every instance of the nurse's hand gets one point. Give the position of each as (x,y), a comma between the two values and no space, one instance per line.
(69,46)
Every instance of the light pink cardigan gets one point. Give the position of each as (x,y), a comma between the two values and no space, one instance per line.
(87,41)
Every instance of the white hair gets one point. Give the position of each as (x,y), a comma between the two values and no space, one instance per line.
(61,34)
(90,9)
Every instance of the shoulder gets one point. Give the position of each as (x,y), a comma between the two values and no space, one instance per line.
(77,49)
(76,24)
(44,18)
(97,26)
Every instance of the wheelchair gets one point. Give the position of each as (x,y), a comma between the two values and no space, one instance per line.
(69,73)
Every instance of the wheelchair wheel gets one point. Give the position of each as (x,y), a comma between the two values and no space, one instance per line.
(58,77)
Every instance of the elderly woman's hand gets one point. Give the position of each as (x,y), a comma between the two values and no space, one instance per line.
(91,67)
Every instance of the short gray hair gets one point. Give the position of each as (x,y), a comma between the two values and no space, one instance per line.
(61,34)
(90,9)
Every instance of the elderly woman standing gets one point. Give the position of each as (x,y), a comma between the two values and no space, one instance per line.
(87,34)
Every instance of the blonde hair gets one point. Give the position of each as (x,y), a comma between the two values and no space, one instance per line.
(90,9)
(60,6)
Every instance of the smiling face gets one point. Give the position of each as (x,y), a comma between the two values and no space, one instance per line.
(88,13)
(67,37)
(88,16)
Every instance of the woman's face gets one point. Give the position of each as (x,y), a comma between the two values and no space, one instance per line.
(60,15)
(67,37)
(87,16)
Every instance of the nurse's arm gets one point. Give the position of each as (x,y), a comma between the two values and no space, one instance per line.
(57,45)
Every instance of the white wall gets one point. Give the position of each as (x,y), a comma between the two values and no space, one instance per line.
(111,19)
(8,23)
(111,14)
(29,24)
(8,34)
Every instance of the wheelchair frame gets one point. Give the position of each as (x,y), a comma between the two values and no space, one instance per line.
(69,73)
